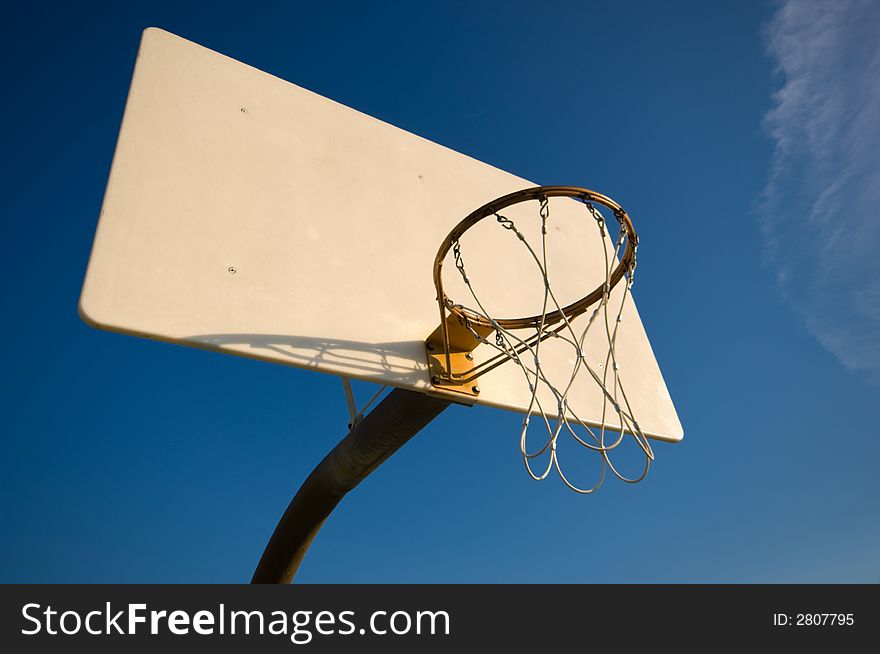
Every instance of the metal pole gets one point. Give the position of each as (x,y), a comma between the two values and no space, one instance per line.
(399,417)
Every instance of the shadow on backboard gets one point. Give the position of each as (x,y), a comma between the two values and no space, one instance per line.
(398,363)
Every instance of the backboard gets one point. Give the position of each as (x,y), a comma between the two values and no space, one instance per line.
(247,215)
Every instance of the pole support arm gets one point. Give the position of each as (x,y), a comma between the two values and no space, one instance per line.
(395,420)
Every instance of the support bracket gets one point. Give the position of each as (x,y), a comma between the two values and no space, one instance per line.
(449,350)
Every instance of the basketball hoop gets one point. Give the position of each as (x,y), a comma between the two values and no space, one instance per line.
(462,328)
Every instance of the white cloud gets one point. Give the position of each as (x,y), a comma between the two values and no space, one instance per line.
(821,207)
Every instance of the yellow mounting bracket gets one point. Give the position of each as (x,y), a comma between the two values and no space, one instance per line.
(450,360)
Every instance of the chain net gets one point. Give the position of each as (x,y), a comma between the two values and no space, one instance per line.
(618,424)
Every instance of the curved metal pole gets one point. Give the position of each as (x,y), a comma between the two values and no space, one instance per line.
(396,419)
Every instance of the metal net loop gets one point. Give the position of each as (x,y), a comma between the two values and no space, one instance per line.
(520,340)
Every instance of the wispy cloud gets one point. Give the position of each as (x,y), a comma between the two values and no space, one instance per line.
(821,207)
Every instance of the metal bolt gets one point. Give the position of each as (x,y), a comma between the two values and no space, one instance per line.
(231,269)
(476,390)
(244,110)
(430,346)
(435,380)
(469,356)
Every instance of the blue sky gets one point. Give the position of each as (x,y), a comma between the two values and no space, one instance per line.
(741,136)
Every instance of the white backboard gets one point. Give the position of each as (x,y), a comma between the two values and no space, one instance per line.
(247,215)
